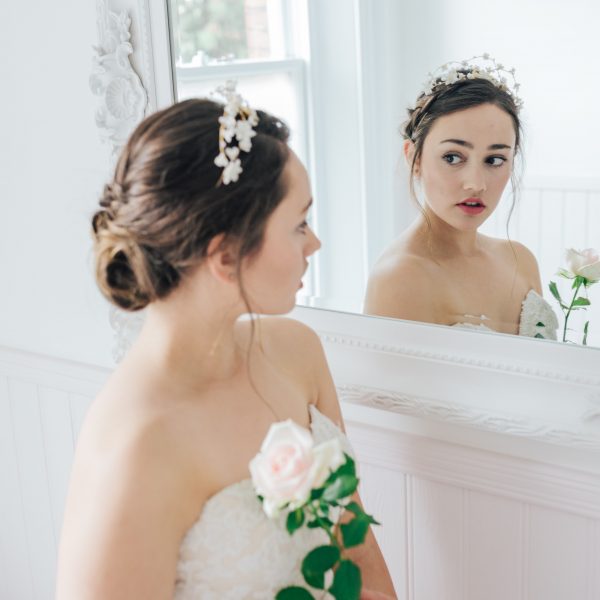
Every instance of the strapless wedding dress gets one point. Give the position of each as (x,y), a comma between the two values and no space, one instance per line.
(538,319)
(233,551)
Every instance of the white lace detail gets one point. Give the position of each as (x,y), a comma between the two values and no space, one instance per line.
(537,310)
(478,327)
(534,310)
(234,551)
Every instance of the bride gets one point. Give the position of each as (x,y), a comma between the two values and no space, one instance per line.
(204,221)
(461,140)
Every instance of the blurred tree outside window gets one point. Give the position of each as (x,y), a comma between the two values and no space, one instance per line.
(213,31)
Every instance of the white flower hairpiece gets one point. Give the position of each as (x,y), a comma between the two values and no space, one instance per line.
(237,122)
(476,67)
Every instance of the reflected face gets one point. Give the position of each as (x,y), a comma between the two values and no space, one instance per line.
(273,277)
(466,162)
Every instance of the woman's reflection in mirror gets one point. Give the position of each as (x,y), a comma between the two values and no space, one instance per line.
(460,142)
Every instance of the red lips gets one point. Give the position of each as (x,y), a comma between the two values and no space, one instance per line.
(472,206)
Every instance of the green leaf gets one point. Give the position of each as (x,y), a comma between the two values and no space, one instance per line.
(585,333)
(319,523)
(581,301)
(348,468)
(347,582)
(317,562)
(342,487)
(554,291)
(355,532)
(316,493)
(539,324)
(294,593)
(357,509)
(295,519)
(539,336)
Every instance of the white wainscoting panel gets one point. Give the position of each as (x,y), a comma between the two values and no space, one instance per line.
(469,524)
(42,404)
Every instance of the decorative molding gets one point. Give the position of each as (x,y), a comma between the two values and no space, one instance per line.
(566,489)
(143,14)
(446,412)
(123,99)
(511,367)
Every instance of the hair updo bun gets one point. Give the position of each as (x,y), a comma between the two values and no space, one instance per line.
(164,205)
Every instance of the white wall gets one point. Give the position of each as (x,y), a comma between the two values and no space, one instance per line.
(52,166)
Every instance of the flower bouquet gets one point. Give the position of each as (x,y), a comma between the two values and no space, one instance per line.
(583,268)
(312,485)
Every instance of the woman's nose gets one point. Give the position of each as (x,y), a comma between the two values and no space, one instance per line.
(475,180)
(314,243)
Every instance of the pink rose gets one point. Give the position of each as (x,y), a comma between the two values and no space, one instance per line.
(584,263)
(288,466)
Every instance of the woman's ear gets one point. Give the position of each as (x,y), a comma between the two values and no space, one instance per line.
(221,258)
(409,155)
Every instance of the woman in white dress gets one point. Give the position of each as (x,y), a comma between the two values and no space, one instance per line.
(160,503)
(461,140)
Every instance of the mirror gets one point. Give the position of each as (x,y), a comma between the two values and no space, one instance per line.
(343,76)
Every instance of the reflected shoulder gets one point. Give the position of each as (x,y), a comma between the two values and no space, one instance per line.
(526,262)
(402,287)
(396,270)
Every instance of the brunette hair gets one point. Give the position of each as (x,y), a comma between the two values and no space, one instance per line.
(165,202)
(449,98)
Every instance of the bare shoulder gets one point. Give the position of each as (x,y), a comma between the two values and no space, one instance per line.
(292,344)
(526,261)
(278,331)
(401,286)
(301,349)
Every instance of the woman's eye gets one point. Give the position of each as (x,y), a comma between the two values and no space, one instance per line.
(302,227)
(452,159)
(496,161)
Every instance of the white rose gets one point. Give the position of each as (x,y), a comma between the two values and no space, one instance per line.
(289,466)
(328,456)
(584,263)
(282,470)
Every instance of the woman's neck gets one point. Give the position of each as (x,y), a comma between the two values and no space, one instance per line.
(445,241)
(193,334)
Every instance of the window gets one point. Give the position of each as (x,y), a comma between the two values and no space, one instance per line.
(262,44)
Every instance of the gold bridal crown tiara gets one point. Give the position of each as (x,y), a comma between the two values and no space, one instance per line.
(237,123)
(476,67)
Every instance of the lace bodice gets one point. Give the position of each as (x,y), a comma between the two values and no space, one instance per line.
(537,319)
(234,551)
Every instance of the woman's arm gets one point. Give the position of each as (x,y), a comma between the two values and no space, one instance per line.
(368,556)
(124,519)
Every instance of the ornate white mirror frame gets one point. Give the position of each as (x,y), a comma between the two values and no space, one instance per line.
(494,392)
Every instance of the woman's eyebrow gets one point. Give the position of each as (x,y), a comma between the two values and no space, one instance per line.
(469,145)
(307,206)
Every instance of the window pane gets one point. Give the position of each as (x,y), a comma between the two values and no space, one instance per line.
(211,31)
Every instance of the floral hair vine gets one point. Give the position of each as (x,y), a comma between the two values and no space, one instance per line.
(476,67)
(237,121)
